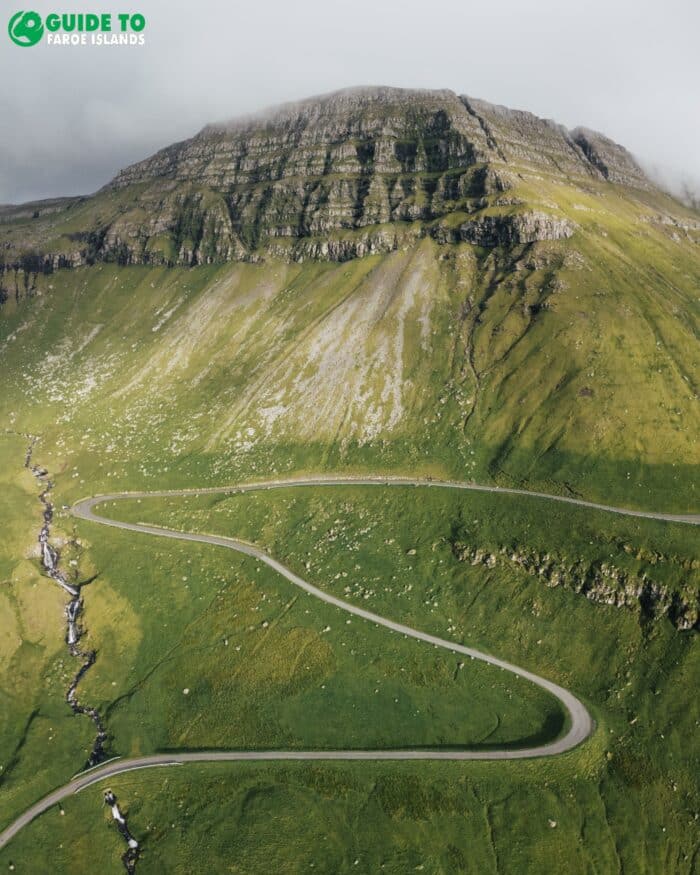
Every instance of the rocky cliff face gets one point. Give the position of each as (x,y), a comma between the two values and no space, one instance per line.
(601,582)
(386,165)
(371,132)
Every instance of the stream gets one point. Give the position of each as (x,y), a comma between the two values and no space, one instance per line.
(50,558)
(131,855)
(50,563)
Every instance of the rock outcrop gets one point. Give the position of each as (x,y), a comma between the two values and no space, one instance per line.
(304,178)
(508,230)
(599,582)
(377,131)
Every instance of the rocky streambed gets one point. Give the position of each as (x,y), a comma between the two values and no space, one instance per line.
(131,855)
(74,631)
(50,559)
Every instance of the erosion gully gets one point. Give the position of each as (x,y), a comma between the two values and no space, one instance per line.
(50,558)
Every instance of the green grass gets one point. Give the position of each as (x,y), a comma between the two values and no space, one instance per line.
(358,543)
(41,742)
(266,666)
(441,520)
(565,366)
(626,799)
(364,818)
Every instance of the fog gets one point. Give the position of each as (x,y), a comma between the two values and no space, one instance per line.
(72,116)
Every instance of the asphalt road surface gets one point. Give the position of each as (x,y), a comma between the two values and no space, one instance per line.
(580,722)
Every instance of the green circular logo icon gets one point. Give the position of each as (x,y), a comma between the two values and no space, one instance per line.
(25,28)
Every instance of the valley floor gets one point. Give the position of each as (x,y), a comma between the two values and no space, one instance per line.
(318,531)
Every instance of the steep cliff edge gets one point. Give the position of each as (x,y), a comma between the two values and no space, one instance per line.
(334,177)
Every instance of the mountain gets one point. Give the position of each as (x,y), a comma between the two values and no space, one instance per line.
(373,282)
(285,182)
(376,274)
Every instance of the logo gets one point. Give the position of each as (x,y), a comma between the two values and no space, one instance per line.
(25,28)
(78,29)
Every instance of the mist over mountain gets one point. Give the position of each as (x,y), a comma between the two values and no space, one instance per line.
(434,361)
(627,69)
(387,164)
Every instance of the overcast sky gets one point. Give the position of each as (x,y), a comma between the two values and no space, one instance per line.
(71,117)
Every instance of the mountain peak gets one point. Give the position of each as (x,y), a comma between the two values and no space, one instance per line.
(385,126)
(341,101)
(341,175)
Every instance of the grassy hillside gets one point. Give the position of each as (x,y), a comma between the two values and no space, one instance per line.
(568,364)
(40,740)
(625,800)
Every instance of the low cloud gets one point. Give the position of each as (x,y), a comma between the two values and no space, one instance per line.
(72,117)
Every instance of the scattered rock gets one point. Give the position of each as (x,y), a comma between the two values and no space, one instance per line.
(598,581)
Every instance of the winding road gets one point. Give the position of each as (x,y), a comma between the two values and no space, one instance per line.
(580,722)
